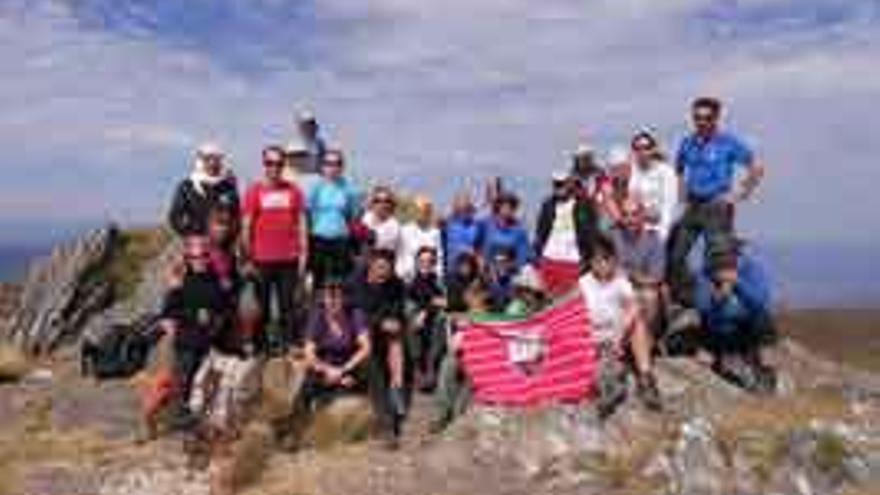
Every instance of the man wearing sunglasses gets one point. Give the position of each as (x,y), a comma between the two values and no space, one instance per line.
(707,164)
(274,241)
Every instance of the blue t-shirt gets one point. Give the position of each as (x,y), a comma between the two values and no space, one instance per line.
(331,205)
(751,297)
(709,166)
(460,235)
(497,236)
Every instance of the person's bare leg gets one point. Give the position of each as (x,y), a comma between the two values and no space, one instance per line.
(641,344)
(395,363)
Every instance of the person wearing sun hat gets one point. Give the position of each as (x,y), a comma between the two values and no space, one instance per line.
(209,185)
(564,234)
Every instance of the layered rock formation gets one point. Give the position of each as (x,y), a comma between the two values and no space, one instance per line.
(61,292)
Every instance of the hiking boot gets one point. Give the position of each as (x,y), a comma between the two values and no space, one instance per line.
(612,389)
(649,394)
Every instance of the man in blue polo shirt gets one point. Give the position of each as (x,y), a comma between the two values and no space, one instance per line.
(707,164)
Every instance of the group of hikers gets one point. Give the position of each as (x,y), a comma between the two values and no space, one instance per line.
(305,265)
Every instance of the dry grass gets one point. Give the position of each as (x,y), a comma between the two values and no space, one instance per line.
(33,440)
(871,489)
(623,468)
(846,336)
(246,461)
(759,429)
(14,364)
(134,248)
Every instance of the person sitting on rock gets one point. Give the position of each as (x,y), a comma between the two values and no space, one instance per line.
(426,295)
(337,347)
(381,295)
(210,184)
(528,296)
(617,328)
(643,258)
(196,313)
(733,298)
(453,394)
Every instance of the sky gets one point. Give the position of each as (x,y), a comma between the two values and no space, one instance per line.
(103,100)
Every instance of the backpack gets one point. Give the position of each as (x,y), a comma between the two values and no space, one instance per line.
(120,352)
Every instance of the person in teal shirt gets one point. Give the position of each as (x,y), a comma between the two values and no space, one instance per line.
(333,203)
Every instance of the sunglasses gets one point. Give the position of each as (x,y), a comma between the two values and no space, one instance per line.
(704,117)
(643,146)
(383,201)
(273,163)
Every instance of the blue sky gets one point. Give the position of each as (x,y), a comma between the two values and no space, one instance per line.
(102,100)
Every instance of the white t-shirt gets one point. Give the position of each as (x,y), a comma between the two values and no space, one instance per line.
(657,188)
(387,232)
(605,304)
(412,239)
(562,243)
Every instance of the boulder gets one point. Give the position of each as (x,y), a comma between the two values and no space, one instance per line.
(61,292)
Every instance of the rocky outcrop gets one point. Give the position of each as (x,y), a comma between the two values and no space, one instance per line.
(820,436)
(143,306)
(61,292)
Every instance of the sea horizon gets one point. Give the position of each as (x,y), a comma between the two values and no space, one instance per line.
(805,275)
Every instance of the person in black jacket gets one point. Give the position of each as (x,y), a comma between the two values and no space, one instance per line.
(566,230)
(381,295)
(210,185)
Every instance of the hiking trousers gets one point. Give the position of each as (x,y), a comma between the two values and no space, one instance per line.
(711,219)
(280,280)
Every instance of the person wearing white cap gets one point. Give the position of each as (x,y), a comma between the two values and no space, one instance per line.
(654,182)
(310,134)
(564,234)
(211,184)
(297,165)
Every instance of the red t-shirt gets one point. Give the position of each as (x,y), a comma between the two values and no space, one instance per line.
(275,212)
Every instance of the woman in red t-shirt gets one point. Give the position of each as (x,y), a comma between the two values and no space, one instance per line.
(274,233)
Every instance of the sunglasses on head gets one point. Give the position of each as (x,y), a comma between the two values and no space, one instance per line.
(643,146)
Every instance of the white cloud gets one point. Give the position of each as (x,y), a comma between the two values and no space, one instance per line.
(433,92)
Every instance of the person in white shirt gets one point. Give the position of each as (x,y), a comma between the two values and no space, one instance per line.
(420,233)
(654,182)
(615,320)
(381,221)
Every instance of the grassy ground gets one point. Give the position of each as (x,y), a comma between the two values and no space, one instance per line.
(848,336)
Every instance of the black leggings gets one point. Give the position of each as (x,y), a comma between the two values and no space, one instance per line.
(282,280)
(330,258)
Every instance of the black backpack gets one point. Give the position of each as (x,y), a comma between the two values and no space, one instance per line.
(120,352)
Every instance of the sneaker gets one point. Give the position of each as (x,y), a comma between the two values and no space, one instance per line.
(649,393)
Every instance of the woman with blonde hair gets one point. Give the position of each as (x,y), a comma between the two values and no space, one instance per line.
(421,233)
